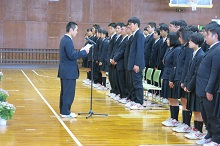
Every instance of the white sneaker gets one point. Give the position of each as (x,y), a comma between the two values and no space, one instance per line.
(211,144)
(194,135)
(137,106)
(71,115)
(203,141)
(129,104)
(178,127)
(166,121)
(97,85)
(123,100)
(116,98)
(184,129)
(165,101)
(86,80)
(110,94)
(172,123)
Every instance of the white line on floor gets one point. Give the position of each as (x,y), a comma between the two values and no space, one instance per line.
(57,116)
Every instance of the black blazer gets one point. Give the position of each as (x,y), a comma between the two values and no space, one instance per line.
(119,54)
(181,65)
(169,61)
(154,53)
(68,67)
(208,77)
(110,48)
(190,79)
(127,51)
(205,46)
(103,50)
(136,55)
(161,53)
(115,48)
(147,49)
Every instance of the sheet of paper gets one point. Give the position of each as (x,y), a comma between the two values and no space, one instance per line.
(86,47)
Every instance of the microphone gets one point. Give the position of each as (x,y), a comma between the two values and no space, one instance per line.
(91,41)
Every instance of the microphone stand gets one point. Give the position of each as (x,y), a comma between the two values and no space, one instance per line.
(90,113)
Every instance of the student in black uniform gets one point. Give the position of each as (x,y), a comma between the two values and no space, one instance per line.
(118,60)
(193,101)
(207,81)
(177,81)
(103,50)
(169,61)
(112,40)
(136,62)
(204,46)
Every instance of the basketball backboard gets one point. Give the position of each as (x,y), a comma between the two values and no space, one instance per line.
(189,3)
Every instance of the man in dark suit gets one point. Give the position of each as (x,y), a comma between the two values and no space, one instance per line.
(207,81)
(136,61)
(68,70)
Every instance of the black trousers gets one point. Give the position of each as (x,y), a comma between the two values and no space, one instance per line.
(67,94)
(138,86)
(122,83)
(212,122)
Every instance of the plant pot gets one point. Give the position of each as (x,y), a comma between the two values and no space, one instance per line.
(3,122)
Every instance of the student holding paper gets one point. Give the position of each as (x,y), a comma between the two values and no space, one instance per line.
(68,70)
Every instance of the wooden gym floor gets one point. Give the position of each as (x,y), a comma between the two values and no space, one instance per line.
(35,94)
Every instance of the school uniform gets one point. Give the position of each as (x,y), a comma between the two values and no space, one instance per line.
(154,53)
(128,75)
(193,101)
(205,46)
(207,80)
(161,52)
(119,58)
(136,57)
(180,71)
(103,55)
(169,61)
(110,66)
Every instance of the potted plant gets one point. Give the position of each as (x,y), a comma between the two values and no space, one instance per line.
(3,95)
(7,110)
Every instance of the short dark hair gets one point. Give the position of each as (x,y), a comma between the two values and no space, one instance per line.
(174,22)
(121,24)
(112,25)
(214,28)
(105,32)
(164,27)
(152,24)
(193,28)
(96,26)
(70,25)
(181,23)
(89,29)
(134,20)
(185,33)
(197,38)
(157,30)
(145,28)
(174,41)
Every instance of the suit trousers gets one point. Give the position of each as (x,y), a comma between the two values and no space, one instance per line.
(122,83)
(138,86)
(67,95)
(213,123)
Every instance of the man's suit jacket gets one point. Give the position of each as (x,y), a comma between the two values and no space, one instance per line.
(127,51)
(119,54)
(68,67)
(148,48)
(136,55)
(161,53)
(208,77)
(110,48)
(103,51)
(190,80)
(154,53)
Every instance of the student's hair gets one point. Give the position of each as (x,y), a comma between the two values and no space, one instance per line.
(112,25)
(99,30)
(134,20)
(174,22)
(96,26)
(185,33)
(70,25)
(193,28)
(105,32)
(214,28)
(162,23)
(145,29)
(197,38)
(89,29)
(164,27)
(157,30)
(152,24)
(181,23)
(174,41)
(121,24)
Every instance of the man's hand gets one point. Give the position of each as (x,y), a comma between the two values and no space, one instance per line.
(209,96)
(136,69)
(100,63)
(182,85)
